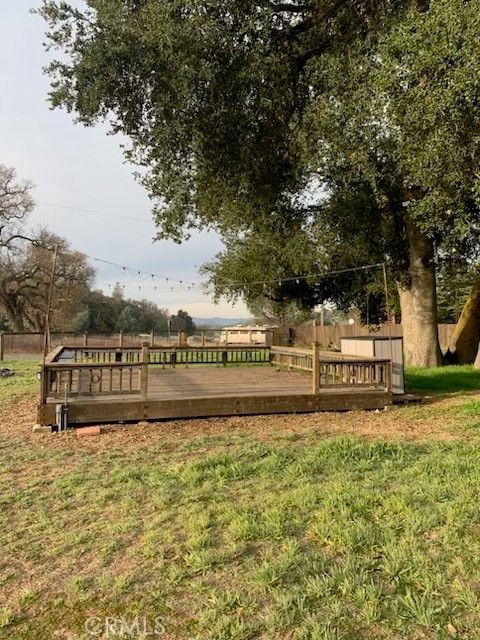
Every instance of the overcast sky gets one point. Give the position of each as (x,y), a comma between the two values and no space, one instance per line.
(80,167)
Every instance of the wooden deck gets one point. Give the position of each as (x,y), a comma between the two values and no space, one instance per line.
(204,392)
(130,384)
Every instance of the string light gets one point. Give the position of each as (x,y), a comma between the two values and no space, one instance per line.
(309,278)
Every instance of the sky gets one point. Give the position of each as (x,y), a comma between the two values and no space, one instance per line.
(74,167)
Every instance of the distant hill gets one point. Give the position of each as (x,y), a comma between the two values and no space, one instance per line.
(220,322)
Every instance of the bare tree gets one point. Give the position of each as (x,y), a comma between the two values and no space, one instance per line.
(16,202)
(24,282)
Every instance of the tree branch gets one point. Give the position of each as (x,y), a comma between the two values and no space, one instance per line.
(287,7)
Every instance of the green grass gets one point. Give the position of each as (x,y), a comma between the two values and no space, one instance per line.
(449,379)
(226,537)
(24,380)
(342,538)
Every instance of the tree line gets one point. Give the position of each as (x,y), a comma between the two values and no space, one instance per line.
(25,274)
(311,135)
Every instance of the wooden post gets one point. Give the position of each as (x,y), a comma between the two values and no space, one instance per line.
(152,339)
(120,339)
(315,368)
(203,337)
(144,380)
(389,376)
(224,358)
(1,346)
(85,339)
(47,343)
(43,384)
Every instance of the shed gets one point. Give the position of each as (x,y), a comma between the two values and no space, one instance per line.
(248,335)
(379,347)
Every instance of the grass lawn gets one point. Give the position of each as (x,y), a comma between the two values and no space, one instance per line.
(324,526)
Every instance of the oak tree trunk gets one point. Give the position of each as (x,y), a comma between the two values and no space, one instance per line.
(14,316)
(463,346)
(418,303)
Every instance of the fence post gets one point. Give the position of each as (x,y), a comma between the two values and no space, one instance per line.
(85,339)
(120,339)
(144,379)
(224,358)
(315,368)
(1,346)
(271,356)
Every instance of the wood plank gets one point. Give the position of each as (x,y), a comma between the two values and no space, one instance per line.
(133,410)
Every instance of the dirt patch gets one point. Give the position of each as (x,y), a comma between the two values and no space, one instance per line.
(437,421)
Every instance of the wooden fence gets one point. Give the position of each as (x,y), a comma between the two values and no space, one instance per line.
(329,335)
(12,344)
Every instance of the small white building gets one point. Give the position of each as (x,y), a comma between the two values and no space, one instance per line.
(250,335)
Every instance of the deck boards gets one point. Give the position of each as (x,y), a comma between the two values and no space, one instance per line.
(201,382)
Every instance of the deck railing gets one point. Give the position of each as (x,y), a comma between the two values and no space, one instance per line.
(80,371)
(335,370)
(209,355)
(89,379)
(72,371)
(166,356)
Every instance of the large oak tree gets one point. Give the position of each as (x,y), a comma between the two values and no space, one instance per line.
(235,109)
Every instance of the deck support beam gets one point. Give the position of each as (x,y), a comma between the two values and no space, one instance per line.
(135,410)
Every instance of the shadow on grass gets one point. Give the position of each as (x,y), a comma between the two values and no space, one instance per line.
(442,380)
